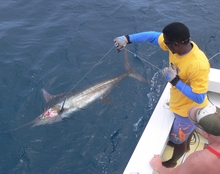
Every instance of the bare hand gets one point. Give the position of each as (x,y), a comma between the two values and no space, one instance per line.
(156,162)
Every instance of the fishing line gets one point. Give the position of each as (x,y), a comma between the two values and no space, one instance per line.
(214,56)
(135,55)
(197,138)
(88,72)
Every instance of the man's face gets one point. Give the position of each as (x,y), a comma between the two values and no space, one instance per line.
(170,44)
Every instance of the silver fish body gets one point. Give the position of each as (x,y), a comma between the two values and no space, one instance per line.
(84,98)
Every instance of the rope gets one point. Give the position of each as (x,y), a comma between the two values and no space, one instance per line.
(88,72)
(214,56)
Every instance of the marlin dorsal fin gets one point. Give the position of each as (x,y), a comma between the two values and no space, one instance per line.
(46,95)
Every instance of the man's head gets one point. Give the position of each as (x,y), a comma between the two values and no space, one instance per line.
(207,118)
(177,32)
(176,36)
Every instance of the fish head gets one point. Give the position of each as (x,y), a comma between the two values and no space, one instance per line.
(50,113)
(49,116)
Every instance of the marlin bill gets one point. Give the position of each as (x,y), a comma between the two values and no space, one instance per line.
(63,105)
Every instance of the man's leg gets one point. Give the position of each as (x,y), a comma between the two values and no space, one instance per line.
(179,150)
(180,136)
(188,141)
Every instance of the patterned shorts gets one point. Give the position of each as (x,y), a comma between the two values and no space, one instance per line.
(181,129)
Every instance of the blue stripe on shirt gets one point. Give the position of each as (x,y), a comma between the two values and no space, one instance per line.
(187,91)
(149,36)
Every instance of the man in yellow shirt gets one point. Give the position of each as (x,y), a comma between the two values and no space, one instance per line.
(188,74)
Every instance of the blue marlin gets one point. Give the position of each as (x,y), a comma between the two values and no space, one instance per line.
(63,105)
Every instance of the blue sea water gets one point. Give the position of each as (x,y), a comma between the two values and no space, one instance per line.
(67,46)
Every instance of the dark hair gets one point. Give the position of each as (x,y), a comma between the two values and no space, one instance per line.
(177,31)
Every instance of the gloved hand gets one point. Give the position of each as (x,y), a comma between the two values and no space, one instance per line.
(171,74)
(120,42)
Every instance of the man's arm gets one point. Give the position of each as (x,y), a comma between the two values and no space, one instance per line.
(187,91)
(149,36)
(171,75)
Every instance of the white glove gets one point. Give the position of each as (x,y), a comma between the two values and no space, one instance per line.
(171,74)
(120,42)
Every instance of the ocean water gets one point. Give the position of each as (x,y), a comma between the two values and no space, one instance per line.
(67,46)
